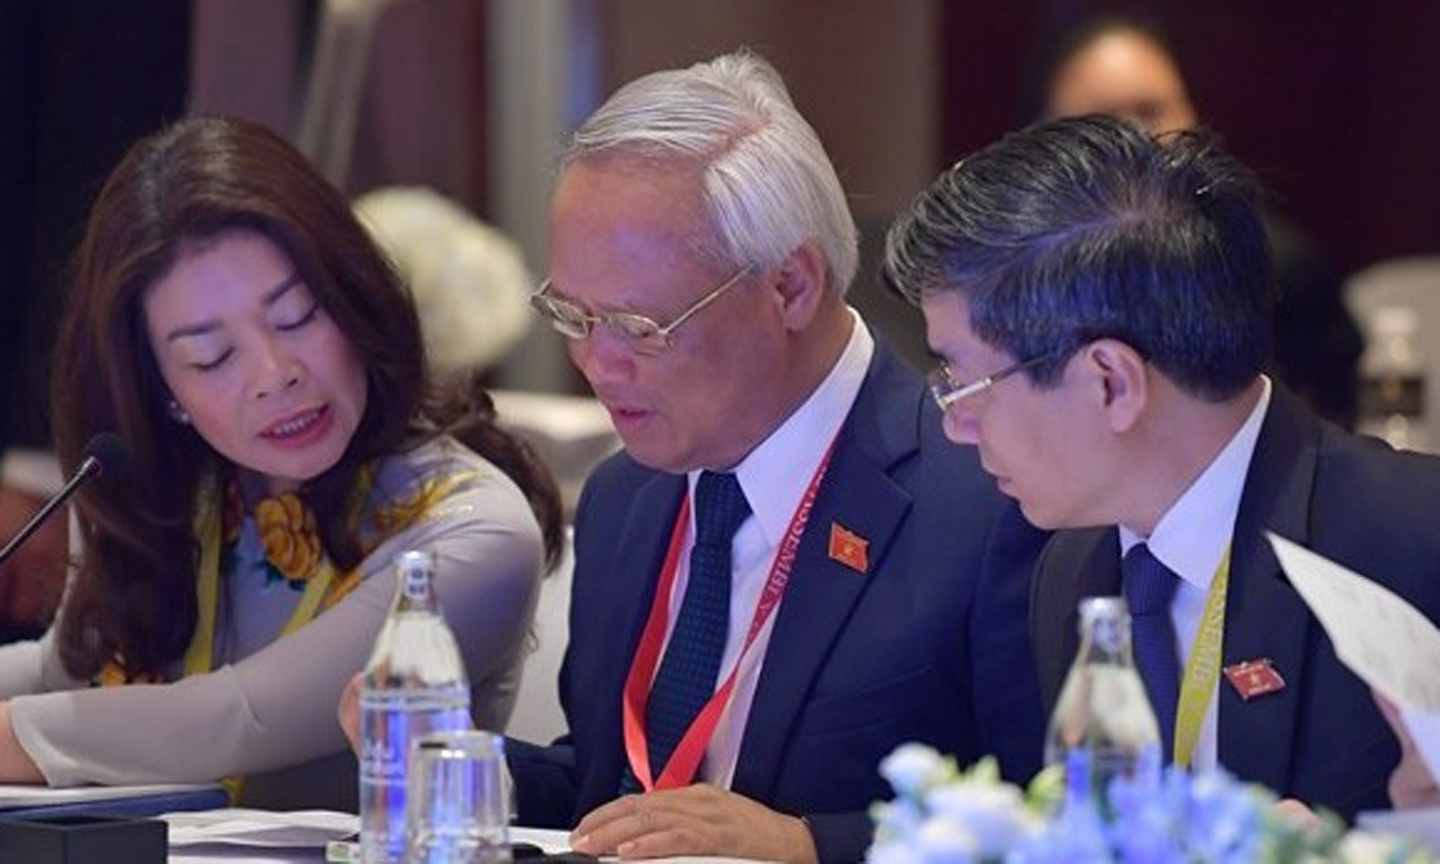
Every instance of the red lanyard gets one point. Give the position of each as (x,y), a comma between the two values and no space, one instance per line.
(685,760)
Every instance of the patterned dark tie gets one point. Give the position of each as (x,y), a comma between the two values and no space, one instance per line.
(691,665)
(1149,588)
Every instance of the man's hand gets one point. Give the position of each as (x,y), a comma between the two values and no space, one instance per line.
(696,820)
(32,580)
(1411,783)
(1297,813)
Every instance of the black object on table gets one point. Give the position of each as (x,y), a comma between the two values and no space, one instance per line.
(79,839)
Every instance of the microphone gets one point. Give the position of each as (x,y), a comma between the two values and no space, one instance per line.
(104,452)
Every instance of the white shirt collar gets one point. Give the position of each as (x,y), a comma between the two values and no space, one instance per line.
(776,473)
(1192,536)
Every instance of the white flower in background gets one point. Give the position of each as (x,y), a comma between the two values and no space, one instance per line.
(913,769)
(941,815)
(944,842)
(993,813)
(1368,847)
(469,280)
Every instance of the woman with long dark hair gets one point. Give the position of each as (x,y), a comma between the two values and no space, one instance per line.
(237,327)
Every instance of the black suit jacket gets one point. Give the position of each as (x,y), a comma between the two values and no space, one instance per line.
(1353,500)
(930,645)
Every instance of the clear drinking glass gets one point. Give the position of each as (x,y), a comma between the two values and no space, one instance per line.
(458,809)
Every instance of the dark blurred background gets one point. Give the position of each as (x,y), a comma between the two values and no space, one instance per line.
(1334,103)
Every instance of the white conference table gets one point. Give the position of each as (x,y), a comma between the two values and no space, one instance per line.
(551,841)
(232,834)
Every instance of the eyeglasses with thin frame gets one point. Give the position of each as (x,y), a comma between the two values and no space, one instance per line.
(641,332)
(947,391)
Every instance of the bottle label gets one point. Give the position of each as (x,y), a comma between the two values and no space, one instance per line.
(384,743)
(389,721)
(1089,771)
(1077,776)
(416,584)
(1109,635)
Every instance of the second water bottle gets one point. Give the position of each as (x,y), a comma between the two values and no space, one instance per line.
(1103,726)
(414,683)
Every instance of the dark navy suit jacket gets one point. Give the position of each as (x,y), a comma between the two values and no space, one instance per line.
(1353,500)
(929,645)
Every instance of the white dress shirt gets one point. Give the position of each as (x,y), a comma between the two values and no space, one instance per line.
(774,477)
(1192,537)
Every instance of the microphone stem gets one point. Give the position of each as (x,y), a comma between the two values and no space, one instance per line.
(88,468)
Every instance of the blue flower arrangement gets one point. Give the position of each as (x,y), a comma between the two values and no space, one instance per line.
(942,815)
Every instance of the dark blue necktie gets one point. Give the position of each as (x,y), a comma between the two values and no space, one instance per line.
(1149,588)
(691,665)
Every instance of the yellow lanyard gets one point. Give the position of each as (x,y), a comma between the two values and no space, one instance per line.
(1202,671)
(322,588)
(200,655)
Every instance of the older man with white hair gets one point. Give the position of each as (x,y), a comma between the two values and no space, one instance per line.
(786,573)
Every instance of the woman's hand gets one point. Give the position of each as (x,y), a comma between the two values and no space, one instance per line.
(349,711)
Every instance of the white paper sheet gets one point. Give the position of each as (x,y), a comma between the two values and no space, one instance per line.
(1378,635)
(1422,826)
(238,826)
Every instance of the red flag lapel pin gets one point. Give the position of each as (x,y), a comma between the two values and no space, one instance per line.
(1252,678)
(849,548)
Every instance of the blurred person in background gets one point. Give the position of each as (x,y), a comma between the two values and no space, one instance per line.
(1125,67)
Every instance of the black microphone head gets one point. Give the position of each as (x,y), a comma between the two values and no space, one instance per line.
(108,450)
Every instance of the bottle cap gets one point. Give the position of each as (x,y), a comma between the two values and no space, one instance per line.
(415,567)
(415,559)
(1106,622)
(1103,607)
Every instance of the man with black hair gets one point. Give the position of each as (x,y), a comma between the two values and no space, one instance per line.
(1102,302)
(1126,67)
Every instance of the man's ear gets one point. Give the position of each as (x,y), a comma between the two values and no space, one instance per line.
(1121,384)
(800,285)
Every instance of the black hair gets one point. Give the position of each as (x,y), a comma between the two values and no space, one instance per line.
(1085,228)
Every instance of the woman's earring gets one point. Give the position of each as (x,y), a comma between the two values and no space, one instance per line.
(177,413)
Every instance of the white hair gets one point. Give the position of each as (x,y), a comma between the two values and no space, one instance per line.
(769,186)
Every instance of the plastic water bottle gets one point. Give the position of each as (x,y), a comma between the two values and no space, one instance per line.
(414,683)
(1103,726)
(1392,380)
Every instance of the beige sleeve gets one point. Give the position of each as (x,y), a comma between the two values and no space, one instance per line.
(21,664)
(276,707)
(34,666)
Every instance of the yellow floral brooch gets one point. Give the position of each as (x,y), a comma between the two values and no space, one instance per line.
(287,530)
